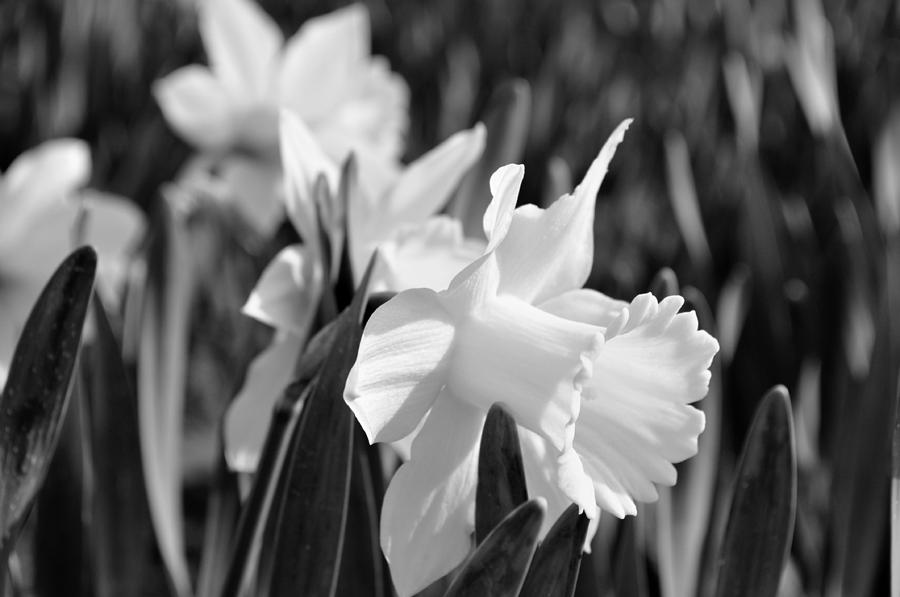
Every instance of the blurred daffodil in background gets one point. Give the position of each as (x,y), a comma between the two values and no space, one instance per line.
(419,249)
(324,73)
(44,214)
(600,388)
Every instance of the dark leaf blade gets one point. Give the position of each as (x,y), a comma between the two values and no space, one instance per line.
(35,398)
(120,515)
(554,569)
(501,474)
(313,514)
(761,520)
(499,566)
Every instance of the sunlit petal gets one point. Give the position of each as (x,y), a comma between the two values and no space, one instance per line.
(586,306)
(505,183)
(428,514)
(288,292)
(636,419)
(424,256)
(547,252)
(401,365)
(196,106)
(249,415)
(242,44)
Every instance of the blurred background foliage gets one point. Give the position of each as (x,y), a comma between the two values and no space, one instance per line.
(788,229)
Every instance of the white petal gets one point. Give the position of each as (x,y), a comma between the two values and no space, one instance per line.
(429,508)
(533,362)
(197,107)
(257,187)
(303,161)
(424,187)
(323,61)
(547,252)
(113,226)
(428,255)
(41,177)
(288,292)
(401,365)
(586,306)
(636,419)
(249,415)
(242,44)
(505,183)
(44,241)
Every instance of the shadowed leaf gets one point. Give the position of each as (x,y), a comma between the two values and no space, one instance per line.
(761,522)
(35,398)
(554,569)
(313,514)
(501,475)
(499,565)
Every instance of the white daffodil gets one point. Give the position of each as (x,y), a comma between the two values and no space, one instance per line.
(396,216)
(40,223)
(601,389)
(324,73)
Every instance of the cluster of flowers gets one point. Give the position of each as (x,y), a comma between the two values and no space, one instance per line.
(601,389)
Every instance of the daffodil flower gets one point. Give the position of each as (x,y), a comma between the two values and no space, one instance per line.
(395,216)
(324,73)
(41,221)
(600,388)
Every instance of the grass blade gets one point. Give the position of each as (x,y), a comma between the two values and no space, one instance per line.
(501,474)
(761,521)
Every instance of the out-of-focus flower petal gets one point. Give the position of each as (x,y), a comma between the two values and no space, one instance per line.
(258,186)
(428,514)
(288,292)
(323,61)
(197,106)
(249,415)
(636,419)
(426,185)
(401,365)
(586,306)
(39,178)
(48,236)
(303,161)
(547,252)
(16,301)
(423,256)
(113,226)
(243,45)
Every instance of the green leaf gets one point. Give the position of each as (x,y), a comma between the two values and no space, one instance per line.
(311,518)
(499,565)
(120,516)
(34,401)
(761,520)
(501,474)
(629,566)
(554,569)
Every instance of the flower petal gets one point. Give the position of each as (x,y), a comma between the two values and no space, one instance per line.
(547,252)
(401,365)
(47,236)
(424,187)
(42,176)
(532,362)
(257,187)
(249,415)
(242,44)
(505,183)
(325,55)
(288,292)
(586,306)
(428,255)
(303,161)
(113,226)
(429,507)
(636,419)
(197,107)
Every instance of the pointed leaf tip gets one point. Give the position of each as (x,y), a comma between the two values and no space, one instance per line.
(554,569)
